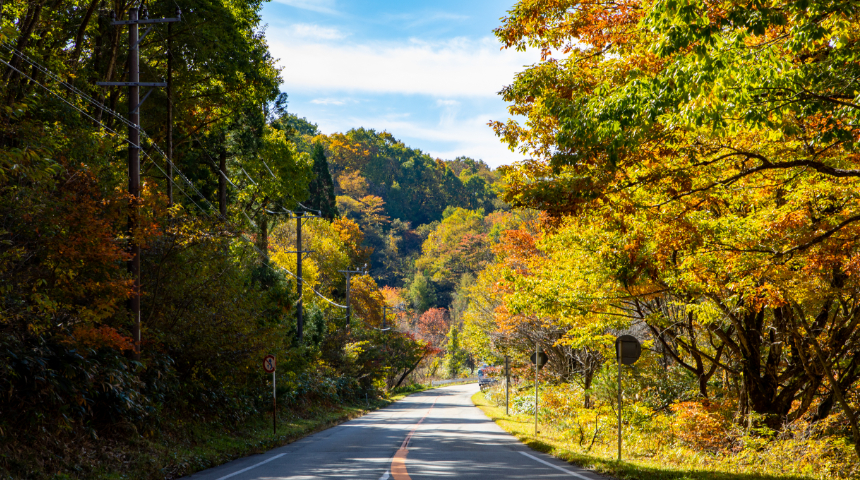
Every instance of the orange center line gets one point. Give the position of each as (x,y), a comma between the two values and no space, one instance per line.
(398,463)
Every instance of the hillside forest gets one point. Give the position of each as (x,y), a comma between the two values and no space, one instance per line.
(690,179)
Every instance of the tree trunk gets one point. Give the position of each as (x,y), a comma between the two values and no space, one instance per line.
(263,240)
(403,377)
(27,26)
(79,38)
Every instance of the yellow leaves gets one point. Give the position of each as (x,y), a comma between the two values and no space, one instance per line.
(351,236)
(367,300)
(328,243)
(353,184)
(373,210)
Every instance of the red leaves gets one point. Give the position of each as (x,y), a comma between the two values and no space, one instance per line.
(433,326)
(104,336)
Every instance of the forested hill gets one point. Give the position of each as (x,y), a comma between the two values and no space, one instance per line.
(397,194)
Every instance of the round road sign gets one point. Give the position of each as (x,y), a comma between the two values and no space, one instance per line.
(628,348)
(269,364)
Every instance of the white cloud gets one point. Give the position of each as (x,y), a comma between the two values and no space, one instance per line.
(450,108)
(303,30)
(332,101)
(453,68)
(321,6)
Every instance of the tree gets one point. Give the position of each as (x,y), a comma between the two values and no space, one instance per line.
(455,356)
(703,157)
(322,187)
(433,325)
(458,245)
(422,293)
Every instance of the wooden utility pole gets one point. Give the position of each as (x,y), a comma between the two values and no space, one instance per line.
(349,273)
(134,104)
(300,321)
(170,113)
(507,385)
(618,347)
(537,367)
(222,181)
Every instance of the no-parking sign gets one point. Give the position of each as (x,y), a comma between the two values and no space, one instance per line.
(269,364)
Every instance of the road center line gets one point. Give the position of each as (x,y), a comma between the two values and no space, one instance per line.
(252,466)
(583,477)
(398,463)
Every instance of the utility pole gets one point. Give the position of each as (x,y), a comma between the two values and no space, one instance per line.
(134,104)
(507,385)
(537,358)
(300,321)
(349,274)
(222,181)
(170,113)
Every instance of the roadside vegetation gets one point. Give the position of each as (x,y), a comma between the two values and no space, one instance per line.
(665,453)
(696,169)
(217,277)
(691,440)
(691,179)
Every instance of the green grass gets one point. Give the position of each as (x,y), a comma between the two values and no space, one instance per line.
(548,441)
(210,446)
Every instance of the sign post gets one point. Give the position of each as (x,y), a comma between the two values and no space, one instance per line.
(269,367)
(507,384)
(627,351)
(539,358)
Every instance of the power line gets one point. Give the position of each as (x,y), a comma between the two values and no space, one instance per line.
(122,119)
(147,156)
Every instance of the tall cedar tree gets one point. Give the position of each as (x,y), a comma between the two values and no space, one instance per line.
(322,186)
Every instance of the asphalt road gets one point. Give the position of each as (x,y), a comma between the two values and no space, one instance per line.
(432,434)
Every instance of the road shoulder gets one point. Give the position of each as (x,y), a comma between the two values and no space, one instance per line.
(525,434)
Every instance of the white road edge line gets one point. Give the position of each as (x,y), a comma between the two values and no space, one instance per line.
(252,466)
(384,477)
(554,466)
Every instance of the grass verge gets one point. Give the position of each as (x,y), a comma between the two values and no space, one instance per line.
(522,427)
(181,446)
(215,446)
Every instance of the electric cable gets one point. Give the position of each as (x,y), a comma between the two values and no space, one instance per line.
(147,156)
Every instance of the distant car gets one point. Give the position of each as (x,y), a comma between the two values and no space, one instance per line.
(484,381)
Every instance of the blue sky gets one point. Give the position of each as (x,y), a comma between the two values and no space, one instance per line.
(428,72)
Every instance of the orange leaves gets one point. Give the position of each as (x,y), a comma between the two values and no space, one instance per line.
(516,249)
(101,337)
(433,326)
(705,425)
(366,300)
(351,236)
(566,25)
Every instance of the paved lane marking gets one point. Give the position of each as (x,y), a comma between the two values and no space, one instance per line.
(398,463)
(252,466)
(583,477)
